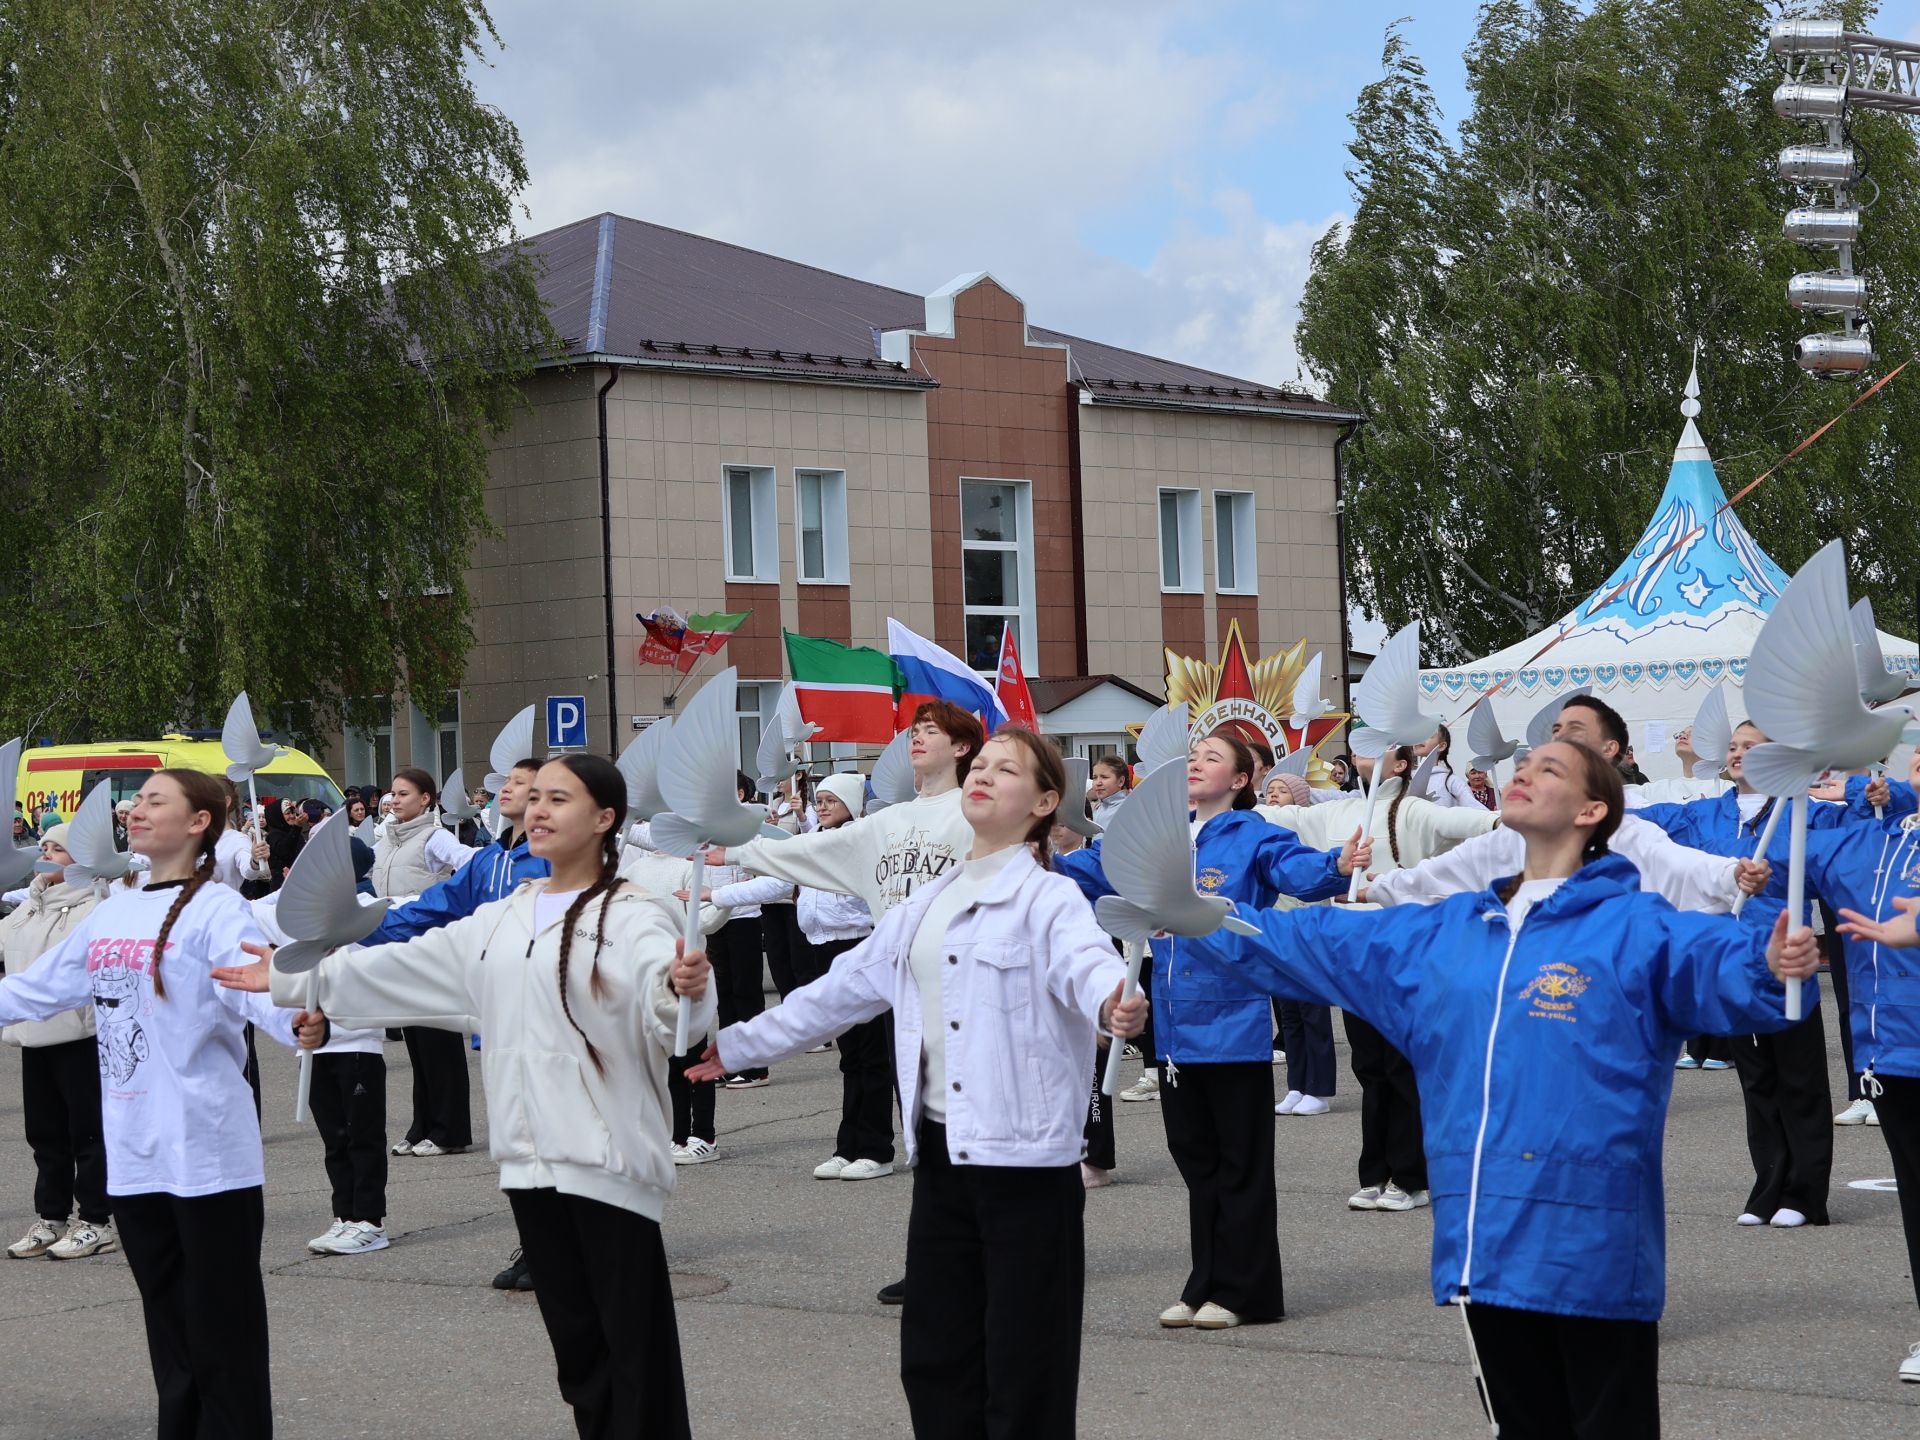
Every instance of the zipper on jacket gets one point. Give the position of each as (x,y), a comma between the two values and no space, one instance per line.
(1486,1104)
(1882,885)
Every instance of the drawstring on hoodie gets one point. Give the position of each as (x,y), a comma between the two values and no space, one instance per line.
(1870,1085)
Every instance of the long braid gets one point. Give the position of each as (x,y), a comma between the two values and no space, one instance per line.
(202,873)
(1402,755)
(607,882)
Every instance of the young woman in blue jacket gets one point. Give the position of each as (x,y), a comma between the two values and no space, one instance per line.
(1214,1032)
(999,981)
(1542,1016)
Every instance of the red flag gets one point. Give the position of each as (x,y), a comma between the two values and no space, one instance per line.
(1010,685)
(663,644)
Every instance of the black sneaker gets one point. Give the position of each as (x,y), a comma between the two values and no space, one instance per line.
(894,1294)
(515,1276)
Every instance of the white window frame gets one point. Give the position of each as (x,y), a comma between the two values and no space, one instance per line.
(833,527)
(1023,613)
(363,750)
(1246,550)
(1192,572)
(764,518)
(424,736)
(753,709)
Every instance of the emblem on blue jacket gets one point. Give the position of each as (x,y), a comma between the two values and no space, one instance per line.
(1554,990)
(1210,879)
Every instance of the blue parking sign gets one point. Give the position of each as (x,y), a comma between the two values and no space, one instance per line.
(566,722)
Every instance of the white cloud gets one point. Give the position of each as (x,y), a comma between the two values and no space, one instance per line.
(904,147)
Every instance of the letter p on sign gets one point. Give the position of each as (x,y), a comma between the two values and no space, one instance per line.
(566,722)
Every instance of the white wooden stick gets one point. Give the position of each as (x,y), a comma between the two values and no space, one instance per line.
(304,1085)
(1366,825)
(1797,890)
(692,939)
(1136,952)
(1760,850)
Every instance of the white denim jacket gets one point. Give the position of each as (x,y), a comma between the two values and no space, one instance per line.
(1028,970)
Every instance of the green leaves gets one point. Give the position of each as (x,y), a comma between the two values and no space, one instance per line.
(255,332)
(1516,312)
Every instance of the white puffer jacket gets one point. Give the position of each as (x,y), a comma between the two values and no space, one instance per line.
(49,914)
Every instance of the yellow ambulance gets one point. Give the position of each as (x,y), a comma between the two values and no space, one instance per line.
(66,773)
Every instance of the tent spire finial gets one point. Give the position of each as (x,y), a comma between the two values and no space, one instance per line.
(1690,407)
(1691,446)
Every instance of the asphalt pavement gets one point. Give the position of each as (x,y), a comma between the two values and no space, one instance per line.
(1783,1333)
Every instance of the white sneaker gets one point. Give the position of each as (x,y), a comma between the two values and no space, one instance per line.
(1747,1217)
(1131,1051)
(822,1048)
(1860,1112)
(44,1235)
(1214,1317)
(1367,1197)
(83,1237)
(1279,1057)
(402,1146)
(427,1149)
(828,1169)
(1147,1087)
(323,1244)
(356,1237)
(695,1152)
(1787,1220)
(1177,1316)
(1310,1105)
(865,1170)
(1910,1367)
(1396,1199)
(1285,1107)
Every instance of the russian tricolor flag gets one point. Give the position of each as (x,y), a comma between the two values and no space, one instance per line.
(932,673)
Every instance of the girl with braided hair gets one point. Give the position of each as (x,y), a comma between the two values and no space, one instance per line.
(575,981)
(184,1167)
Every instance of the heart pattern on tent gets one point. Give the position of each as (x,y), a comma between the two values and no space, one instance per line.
(1430,684)
(1606,674)
(1738,667)
(1580,674)
(1658,671)
(1555,675)
(1631,671)
(1713,669)
(1685,670)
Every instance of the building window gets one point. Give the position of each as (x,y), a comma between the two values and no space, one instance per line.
(1235,569)
(820,525)
(436,740)
(996,567)
(370,752)
(1180,540)
(753,706)
(751,524)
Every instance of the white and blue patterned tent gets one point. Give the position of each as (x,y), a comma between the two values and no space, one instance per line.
(1685,617)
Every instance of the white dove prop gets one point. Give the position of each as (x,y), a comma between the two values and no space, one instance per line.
(1712,732)
(639,766)
(1422,774)
(247,754)
(1294,762)
(454,804)
(1165,737)
(366,832)
(1484,739)
(90,838)
(1803,692)
(699,765)
(17,863)
(513,744)
(1877,684)
(1387,698)
(780,740)
(892,779)
(1307,704)
(1540,727)
(320,907)
(1148,859)
(1072,811)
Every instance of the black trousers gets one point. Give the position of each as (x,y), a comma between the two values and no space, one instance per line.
(1099,1128)
(600,1275)
(1899,1107)
(809,961)
(442,1098)
(1306,1034)
(785,947)
(252,1071)
(349,1104)
(1558,1377)
(996,1275)
(734,950)
(1710,1047)
(1219,1121)
(692,1100)
(60,1095)
(1391,1147)
(1145,1042)
(197,1263)
(1783,1079)
(866,1077)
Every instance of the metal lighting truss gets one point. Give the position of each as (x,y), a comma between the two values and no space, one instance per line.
(1831,72)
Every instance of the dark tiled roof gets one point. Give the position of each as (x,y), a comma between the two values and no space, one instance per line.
(1050,695)
(626,288)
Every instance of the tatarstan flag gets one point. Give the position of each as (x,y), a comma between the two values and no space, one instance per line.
(848,692)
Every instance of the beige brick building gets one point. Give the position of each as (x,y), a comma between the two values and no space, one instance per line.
(735,432)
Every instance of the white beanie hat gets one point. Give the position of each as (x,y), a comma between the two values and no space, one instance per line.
(849,790)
